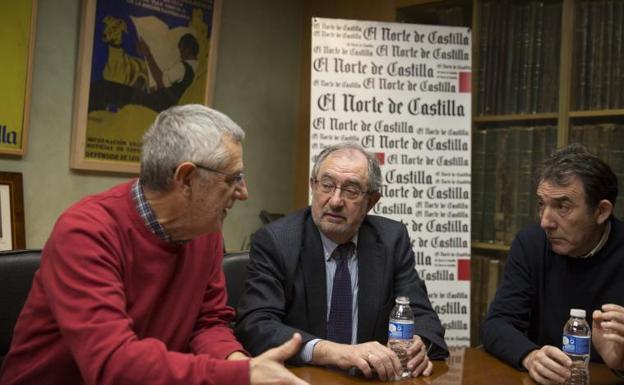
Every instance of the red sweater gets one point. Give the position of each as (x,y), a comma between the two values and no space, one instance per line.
(113,304)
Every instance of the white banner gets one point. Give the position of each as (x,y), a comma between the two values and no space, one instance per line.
(403,92)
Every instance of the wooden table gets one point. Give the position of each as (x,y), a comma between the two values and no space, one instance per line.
(464,366)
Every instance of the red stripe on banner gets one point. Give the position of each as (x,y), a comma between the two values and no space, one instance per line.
(463,269)
(381,157)
(464,82)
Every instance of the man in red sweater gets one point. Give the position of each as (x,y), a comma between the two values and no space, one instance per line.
(130,288)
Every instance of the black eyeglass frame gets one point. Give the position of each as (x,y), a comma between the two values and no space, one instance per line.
(236,178)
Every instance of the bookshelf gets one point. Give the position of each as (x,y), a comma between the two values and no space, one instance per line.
(545,73)
(562,62)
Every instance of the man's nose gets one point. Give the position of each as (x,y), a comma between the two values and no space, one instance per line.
(336,199)
(241,192)
(547,219)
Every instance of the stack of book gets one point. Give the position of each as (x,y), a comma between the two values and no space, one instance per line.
(598,54)
(486,274)
(607,142)
(503,179)
(504,165)
(518,71)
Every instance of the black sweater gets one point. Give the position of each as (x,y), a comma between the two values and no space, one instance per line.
(540,287)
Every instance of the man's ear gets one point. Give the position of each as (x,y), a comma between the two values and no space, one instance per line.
(183,175)
(603,211)
(373,198)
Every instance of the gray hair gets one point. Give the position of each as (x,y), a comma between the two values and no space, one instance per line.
(189,133)
(598,179)
(374,172)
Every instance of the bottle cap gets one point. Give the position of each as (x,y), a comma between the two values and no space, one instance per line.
(402,300)
(577,313)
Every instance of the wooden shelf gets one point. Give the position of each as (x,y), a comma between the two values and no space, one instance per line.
(410,3)
(596,113)
(489,246)
(516,117)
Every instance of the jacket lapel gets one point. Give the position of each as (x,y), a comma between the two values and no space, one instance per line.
(313,267)
(371,257)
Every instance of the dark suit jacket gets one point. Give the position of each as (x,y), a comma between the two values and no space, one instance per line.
(286,291)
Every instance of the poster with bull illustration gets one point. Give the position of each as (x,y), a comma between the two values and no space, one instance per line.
(137,58)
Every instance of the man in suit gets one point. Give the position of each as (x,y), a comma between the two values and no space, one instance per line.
(297,282)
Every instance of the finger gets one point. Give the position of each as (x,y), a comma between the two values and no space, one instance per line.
(418,369)
(376,365)
(363,366)
(556,356)
(416,360)
(286,350)
(539,378)
(397,367)
(614,338)
(415,347)
(612,327)
(613,314)
(382,365)
(612,307)
(429,369)
(597,317)
(553,364)
(549,374)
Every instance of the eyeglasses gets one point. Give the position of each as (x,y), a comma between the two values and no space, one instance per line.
(351,192)
(236,178)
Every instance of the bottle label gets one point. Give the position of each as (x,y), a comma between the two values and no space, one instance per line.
(400,330)
(576,344)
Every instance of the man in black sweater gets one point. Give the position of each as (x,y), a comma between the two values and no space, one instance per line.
(573,259)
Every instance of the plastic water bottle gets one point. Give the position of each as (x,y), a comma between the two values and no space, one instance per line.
(576,344)
(401,331)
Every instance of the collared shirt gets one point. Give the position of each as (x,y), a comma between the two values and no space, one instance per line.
(601,243)
(330,271)
(145,211)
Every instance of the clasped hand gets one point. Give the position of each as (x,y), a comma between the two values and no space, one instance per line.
(373,358)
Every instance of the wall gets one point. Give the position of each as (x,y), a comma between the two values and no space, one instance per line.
(380,10)
(257,85)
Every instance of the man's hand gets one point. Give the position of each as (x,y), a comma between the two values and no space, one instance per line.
(419,363)
(608,335)
(268,367)
(237,356)
(548,365)
(369,357)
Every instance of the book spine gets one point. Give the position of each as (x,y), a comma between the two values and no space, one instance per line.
(616,78)
(478,182)
(489,189)
(524,179)
(537,77)
(506,96)
(503,201)
(596,31)
(517,65)
(583,57)
(607,60)
(486,10)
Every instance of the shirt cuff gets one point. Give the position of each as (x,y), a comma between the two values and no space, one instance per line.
(306,352)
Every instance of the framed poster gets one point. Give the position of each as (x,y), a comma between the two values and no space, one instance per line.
(137,58)
(12,235)
(17,28)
